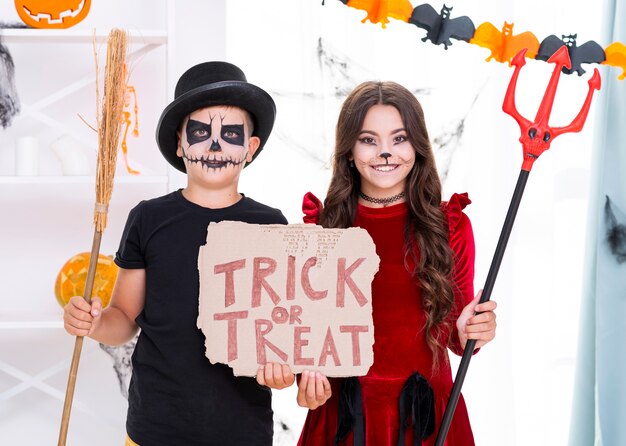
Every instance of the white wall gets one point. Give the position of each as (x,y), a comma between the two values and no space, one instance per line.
(518,388)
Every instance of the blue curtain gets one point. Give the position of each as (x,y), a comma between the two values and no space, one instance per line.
(599,403)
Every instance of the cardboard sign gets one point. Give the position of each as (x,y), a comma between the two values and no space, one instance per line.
(294,294)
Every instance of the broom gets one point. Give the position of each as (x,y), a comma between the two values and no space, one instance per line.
(109,126)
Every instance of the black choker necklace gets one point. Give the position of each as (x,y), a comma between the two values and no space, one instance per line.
(383,201)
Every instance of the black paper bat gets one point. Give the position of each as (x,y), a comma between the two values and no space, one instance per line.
(440,27)
(588,52)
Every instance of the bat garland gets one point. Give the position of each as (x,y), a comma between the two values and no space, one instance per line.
(502,43)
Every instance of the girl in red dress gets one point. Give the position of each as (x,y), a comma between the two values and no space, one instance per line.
(385,181)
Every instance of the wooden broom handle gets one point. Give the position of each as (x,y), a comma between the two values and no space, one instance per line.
(78,345)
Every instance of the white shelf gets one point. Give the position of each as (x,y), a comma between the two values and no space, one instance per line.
(80,179)
(12,320)
(78,36)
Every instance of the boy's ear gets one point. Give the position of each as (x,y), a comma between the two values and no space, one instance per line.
(253,145)
(179,149)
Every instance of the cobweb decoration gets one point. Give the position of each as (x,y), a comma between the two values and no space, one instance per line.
(340,73)
(13,25)
(345,73)
(340,69)
(283,434)
(9,101)
(445,145)
(449,139)
(615,230)
(121,362)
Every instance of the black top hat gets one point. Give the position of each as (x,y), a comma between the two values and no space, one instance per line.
(207,84)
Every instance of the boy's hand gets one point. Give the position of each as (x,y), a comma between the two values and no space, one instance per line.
(81,318)
(313,390)
(275,376)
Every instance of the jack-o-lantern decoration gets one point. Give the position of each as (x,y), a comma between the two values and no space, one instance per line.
(52,13)
(73,275)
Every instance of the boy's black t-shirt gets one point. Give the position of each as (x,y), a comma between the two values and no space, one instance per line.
(176,395)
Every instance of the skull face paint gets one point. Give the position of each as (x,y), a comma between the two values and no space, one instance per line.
(197,131)
(215,138)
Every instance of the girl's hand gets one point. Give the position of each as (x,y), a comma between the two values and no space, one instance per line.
(313,390)
(472,325)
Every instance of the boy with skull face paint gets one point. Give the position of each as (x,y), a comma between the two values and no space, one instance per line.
(217,124)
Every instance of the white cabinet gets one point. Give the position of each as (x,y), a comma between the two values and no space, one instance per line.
(46,218)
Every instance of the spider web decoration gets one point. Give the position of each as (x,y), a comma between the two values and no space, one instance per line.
(449,140)
(13,25)
(283,434)
(122,364)
(341,70)
(445,144)
(615,230)
(9,101)
(345,73)
(340,74)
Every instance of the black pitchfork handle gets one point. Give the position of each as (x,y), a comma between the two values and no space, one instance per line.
(486,295)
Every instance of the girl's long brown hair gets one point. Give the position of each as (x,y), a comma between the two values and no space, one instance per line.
(426,227)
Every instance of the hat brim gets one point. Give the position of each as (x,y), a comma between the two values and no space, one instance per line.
(249,97)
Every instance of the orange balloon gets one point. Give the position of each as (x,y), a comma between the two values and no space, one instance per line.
(58,14)
(73,275)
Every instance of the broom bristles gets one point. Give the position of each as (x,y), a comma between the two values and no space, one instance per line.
(109,123)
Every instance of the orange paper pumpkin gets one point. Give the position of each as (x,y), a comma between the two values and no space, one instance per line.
(52,13)
(71,279)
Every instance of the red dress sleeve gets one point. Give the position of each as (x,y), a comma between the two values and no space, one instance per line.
(461,240)
(311,207)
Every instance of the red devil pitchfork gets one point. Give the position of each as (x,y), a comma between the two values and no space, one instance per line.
(535,137)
